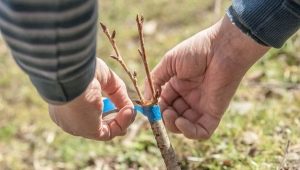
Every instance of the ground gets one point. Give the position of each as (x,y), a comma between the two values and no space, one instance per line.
(262,118)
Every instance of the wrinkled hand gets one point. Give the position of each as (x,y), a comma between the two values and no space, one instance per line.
(82,116)
(200,75)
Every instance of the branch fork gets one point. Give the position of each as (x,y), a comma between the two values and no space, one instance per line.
(157,127)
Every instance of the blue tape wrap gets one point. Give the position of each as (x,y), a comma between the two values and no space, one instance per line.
(107,106)
(151,112)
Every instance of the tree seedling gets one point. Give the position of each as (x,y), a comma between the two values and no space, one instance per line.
(157,126)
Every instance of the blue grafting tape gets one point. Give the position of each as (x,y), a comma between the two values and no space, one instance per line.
(139,108)
(108,106)
(151,112)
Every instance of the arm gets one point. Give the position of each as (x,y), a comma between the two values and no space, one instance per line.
(268,22)
(200,75)
(54,42)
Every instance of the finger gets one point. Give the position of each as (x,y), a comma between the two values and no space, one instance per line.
(117,126)
(202,129)
(104,132)
(169,117)
(180,106)
(124,118)
(209,122)
(191,115)
(112,85)
(116,90)
(162,104)
(191,130)
(161,74)
(169,94)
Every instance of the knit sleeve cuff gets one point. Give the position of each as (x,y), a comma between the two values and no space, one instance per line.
(60,92)
(268,22)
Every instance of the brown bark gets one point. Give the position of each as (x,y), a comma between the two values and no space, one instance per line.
(165,146)
(158,128)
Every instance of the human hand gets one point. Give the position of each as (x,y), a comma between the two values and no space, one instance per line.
(199,76)
(83,117)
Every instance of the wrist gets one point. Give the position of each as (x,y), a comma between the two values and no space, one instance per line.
(230,43)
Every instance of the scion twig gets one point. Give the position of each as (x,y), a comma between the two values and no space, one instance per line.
(142,52)
(118,57)
(158,129)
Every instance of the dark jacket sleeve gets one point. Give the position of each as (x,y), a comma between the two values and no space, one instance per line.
(54,42)
(269,22)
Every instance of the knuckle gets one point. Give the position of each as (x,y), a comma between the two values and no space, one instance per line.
(169,54)
(205,136)
(189,135)
(123,133)
(70,131)
(170,128)
(122,84)
(174,130)
(105,139)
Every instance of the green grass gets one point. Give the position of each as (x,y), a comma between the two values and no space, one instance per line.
(29,139)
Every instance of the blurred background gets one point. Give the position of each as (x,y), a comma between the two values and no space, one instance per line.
(262,118)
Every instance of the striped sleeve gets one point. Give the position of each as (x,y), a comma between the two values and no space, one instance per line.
(54,42)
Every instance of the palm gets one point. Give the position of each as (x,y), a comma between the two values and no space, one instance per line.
(200,75)
(199,89)
(81,116)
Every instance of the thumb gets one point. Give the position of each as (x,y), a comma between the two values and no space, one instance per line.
(115,89)
(112,85)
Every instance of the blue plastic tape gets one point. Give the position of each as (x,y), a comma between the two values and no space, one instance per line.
(151,112)
(108,106)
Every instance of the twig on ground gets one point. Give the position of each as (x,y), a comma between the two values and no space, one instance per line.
(286,151)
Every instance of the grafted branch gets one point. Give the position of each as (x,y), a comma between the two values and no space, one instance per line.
(142,52)
(118,57)
(157,127)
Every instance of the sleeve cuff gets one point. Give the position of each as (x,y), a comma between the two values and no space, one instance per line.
(268,22)
(60,92)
